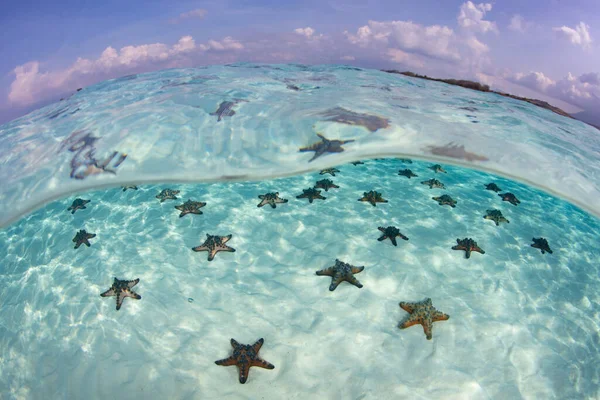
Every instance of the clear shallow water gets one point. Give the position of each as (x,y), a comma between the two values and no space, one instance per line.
(164,122)
(522,324)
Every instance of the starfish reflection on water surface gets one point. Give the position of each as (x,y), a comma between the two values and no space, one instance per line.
(340,272)
(271,198)
(407,173)
(496,216)
(325,146)
(245,356)
(330,171)
(511,198)
(423,313)
(311,194)
(468,245)
(82,238)
(326,184)
(78,204)
(434,184)
(541,244)
(372,197)
(445,200)
(343,116)
(391,232)
(214,244)
(190,207)
(167,194)
(122,289)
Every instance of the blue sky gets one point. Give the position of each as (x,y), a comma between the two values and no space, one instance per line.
(547,49)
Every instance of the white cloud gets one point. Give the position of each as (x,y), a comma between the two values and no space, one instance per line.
(197,13)
(582,91)
(517,23)
(402,57)
(435,41)
(308,33)
(31,85)
(579,36)
(471,16)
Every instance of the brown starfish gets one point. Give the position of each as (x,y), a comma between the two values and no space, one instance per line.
(122,289)
(340,272)
(190,207)
(330,171)
(542,244)
(82,237)
(511,198)
(326,184)
(245,356)
(325,146)
(468,245)
(391,232)
(373,197)
(271,198)
(214,244)
(311,194)
(423,313)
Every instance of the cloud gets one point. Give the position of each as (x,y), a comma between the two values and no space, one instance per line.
(518,24)
(582,91)
(197,13)
(308,33)
(579,36)
(32,85)
(471,16)
(402,57)
(435,41)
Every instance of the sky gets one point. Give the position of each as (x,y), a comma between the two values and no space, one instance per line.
(548,49)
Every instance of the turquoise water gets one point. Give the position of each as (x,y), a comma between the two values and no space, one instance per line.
(522,324)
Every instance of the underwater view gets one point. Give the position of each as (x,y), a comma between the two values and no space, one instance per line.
(349,233)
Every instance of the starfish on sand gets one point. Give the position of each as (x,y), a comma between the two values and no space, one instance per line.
(245,356)
(122,289)
(423,313)
(325,146)
(340,272)
(213,244)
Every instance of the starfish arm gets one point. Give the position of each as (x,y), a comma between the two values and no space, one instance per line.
(301,196)
(381,228)
(195,211)
(427,325)
(244,371)
(261,196)
(273,205)
(226,248)
(226,362)
(403,236)
(439,316)
(86,242)
(200,248)
(234,343)
(318,153)
(356,270)
(91,235)
(225,239)
(132,283)
(467,252)
(327,271)
(334,283)
(347,141)
(373,203)
(310,199)
(393,239)
(281,200)
(382,238)
(354,281)
(180,208)
(408,307)
(262,364)
(478,249)
(410,321)
(312,147)
(459,247)
(212,253)
(320,197)
(257,345)
(131,293)
(73,212)
(120,298)
(323,138)
(183,213)
(108,293)
(262,203)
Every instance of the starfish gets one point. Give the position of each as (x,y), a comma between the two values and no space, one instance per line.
(82,238)
(496,216)
(424,313)
(340,272)
(122,289)
(311,194)
(325,184)
(434,183)
(355,163)
(407,173)
(271,198)
(437,168)
(372,197)
(511,198)
(190,207)
(225,109)
(78,204)
(325,146)
(343,116)
(391,232)
(330,171)
(167,194)
(214,244)
(541,244)
(445,200)
(493,187)
(468,245)
(245,356)
(134,187)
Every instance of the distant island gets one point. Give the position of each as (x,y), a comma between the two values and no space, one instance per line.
(485,88)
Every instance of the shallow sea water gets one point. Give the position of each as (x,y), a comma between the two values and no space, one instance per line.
(522,324)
